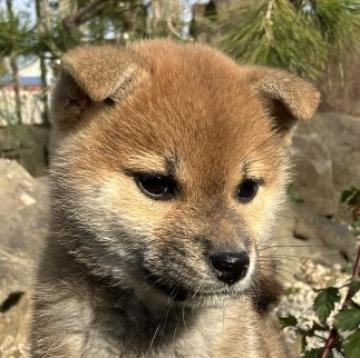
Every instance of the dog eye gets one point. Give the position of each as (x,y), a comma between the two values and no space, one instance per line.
(247,190)
(158,187)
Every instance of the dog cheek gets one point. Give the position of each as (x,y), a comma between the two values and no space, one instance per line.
(127,204)
(261,215)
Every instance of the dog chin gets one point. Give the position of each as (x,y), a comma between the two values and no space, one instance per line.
(199,300)
(151,292)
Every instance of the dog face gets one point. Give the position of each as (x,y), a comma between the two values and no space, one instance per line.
(169,166)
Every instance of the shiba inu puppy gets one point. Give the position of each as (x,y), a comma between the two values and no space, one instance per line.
(167,175)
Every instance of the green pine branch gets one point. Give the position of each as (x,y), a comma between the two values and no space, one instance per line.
(301,36)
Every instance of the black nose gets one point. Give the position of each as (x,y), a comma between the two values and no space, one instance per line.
(230,266)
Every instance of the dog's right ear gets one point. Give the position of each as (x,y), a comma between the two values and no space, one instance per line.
(285,97)
(92,75)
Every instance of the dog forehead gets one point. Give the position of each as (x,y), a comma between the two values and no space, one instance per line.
(191,70)
(187,126)
(192,96)
(194,106)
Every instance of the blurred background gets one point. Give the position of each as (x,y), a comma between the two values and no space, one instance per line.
(316,39)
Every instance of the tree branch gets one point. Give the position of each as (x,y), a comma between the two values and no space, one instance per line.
(71,22)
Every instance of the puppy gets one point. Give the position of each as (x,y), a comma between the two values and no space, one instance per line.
(168,172)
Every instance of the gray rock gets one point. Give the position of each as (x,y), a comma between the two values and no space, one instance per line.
(337,238)
(342,133)
(313,180)
(327,156)
(302,233)
(28,145)
(23,222)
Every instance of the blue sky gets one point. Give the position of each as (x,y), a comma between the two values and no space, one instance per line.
(22,5)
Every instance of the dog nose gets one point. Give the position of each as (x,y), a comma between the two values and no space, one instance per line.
(230,266)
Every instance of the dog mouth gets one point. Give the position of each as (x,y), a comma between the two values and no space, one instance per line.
(171,289)
(177,292)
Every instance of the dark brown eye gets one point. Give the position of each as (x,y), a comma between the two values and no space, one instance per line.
(247,190)
(158,187)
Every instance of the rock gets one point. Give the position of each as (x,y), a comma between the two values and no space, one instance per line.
(28,145)
(303,234)
(23,222)
(313,179)
(327,156)
(309,225)
(14,325)
(342,134)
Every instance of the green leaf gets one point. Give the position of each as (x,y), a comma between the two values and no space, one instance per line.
(325,301)
(316,327)
(356,227)
(314,353)
(354,287)
(288,321)
(352,345)
(350,196)
(348,319)
(303,342)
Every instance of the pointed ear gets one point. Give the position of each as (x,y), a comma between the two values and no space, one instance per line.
(287,98)
(92,75)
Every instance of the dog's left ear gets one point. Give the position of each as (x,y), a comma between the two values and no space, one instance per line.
(287,98)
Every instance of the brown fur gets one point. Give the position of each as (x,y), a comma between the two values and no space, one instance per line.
(192,113)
